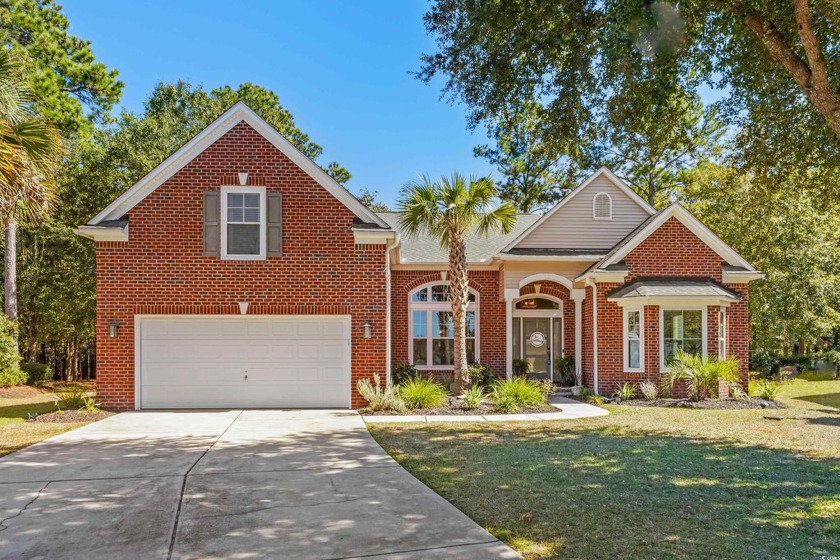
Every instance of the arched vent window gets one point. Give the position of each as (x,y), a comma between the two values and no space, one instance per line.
(602,206)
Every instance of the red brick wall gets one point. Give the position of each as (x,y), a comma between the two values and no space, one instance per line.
(491,314)
(161,268)
(672,250)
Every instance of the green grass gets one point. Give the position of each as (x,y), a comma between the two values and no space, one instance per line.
(17,433)
(646,482)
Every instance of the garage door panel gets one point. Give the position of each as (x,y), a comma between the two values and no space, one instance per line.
(203,362)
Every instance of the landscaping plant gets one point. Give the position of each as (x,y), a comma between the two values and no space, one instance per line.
(701,373)
(402,372)
(768,390)
(37,374)
(523,391)
(649,390)
(737,393)
(422,392)
(10,372)
(506,404)
(474,397)
(479,374)
(521,367)
(626,392)
(379,399)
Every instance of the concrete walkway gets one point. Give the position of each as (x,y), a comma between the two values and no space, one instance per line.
(226,484)
(569,409)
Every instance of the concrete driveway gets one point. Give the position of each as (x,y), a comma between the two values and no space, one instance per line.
(225,484)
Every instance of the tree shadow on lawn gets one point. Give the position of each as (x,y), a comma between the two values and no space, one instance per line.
(606,493)
(830,400)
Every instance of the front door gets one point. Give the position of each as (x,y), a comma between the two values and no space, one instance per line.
(537,336)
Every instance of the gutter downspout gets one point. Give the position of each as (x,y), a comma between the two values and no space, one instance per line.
(388,248)
(591,282)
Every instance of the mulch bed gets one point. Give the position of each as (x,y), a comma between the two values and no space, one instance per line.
(710,404)
(68,416)
(457,409)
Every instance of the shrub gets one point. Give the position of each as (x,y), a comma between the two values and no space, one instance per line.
(12,377)
(479,374)
(585,393)
(701,373)
(90,404)
(626,392)
(403,372)
(75,398)
(10,373)
(547,388)
(474,397)
(765,363)
(37,374)
(737,393)
(523,391)
(506,404)
(422,392)
(649,390)
(768,390)
(379,399)
(564,368)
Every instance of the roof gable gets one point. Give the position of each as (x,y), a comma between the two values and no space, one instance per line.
(570,222)
(698,228)
(230,118)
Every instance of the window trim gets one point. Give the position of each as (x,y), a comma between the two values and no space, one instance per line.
(429,307)
(704,334)
(263,222)
(722,339)
(626,339)
(595,215)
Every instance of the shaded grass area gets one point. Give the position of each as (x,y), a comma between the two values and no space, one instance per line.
(645,482)
(16,432)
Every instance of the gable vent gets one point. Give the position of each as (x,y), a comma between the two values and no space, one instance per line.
(602,206)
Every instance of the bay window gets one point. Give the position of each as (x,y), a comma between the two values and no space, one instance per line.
(432,342)
(682,330)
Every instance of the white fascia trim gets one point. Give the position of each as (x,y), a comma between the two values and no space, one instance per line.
(373,237)
(230,118)
(599,275)
(742,277)
(602,171)
(552,258)
(697,227)
(98,233)
(698,301)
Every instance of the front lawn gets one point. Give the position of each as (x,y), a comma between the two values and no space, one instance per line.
(17,403)
(646,482)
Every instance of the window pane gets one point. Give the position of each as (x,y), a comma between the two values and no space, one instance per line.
(470,324)
(470,351)
(243,239)
(234,214)
(251,200)
(235,200)
(251,215)
(422,295)
(440,292)
(537,303)
(633,326)
(693,322)
(671,348)
(634,359)
(420,323)
(420,352)
(442,324)
(693,346)
(673,324)
(443,352)
(517,338)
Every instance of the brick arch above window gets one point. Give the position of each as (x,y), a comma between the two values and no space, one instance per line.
(552,289)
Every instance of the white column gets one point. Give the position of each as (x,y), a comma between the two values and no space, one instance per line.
(577,296)
(510,295)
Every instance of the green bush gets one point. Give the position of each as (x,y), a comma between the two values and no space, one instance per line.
(564,368)
(37,374)
(767,390)
(403,372)
(626,392)
(765,362)
(521,367)
(701,373)
(422,392)
(479,374)
(474,397)
(380,399)
(10,372)
(12,377)
(585,393)
(523,391)
(506,404)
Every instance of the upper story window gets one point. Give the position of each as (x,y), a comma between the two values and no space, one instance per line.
(432,340)
(244,223)
(602,206)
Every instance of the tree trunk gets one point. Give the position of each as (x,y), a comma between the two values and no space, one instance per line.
(10,272)
(459,298)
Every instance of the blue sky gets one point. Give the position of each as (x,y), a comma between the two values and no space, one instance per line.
(342,68)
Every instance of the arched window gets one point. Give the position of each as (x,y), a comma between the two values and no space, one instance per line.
(602,206)
(432,334)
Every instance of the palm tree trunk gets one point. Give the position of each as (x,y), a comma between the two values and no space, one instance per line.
(459,298)
(10,271)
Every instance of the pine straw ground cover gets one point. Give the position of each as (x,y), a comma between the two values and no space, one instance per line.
(646,482)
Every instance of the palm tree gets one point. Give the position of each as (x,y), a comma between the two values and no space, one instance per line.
(448,210)
(29,151)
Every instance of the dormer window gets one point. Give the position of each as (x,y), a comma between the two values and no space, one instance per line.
(244,227)
(602,206)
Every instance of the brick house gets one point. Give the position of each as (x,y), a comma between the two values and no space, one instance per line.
(237,273)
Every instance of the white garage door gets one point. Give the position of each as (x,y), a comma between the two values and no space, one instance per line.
(238,362)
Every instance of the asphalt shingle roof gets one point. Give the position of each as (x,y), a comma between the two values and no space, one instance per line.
(665,287)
